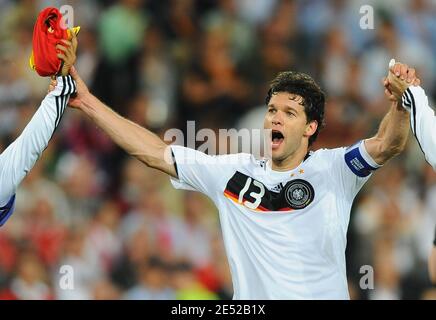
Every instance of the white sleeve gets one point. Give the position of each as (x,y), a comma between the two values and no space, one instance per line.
(422,121)
(351,168)
(20,156)
(200,172)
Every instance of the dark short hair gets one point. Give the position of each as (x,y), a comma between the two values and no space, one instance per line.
(301,84)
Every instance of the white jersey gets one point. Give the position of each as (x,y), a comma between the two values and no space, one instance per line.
(21,155)
(422,121)
(284,232)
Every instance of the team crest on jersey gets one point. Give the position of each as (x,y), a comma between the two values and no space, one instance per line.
(299,193)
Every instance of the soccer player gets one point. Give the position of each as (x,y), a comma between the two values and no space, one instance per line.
(21,155)
(423,124)
(284,219)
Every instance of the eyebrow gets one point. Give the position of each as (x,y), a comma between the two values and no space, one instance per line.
(287,107)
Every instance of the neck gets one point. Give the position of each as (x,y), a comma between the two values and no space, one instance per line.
(291,162)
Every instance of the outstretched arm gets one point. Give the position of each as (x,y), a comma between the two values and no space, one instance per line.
(134,139)
(393,132)
(422,121)
(391,137)
(20,156)
(422,116)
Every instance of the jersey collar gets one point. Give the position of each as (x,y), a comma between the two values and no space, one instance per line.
(270,171)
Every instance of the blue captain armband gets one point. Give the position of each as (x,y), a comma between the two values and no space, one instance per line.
(7,210)
(359,161)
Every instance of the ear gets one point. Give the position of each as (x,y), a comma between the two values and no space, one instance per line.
(311,128)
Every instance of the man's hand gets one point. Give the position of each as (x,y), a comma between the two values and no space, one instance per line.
(76,100)
(391,137)
(68,53)
(399,78)
(82,91)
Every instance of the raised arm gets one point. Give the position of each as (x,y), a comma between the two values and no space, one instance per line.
(422,121)
(393,132)
(21,155)
(391,136)
(19,158)
(134,139)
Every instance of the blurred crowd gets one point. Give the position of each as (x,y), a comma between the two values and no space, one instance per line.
(123,229)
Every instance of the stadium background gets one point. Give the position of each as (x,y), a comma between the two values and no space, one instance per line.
(120,225)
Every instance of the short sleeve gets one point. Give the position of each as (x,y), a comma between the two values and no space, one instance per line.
(198,171)
(351,167)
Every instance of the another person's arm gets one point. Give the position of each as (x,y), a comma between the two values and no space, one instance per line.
(21,155)
(422,121)
(432,262)
(422,116)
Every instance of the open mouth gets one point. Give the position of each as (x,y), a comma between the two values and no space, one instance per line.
(277,138)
